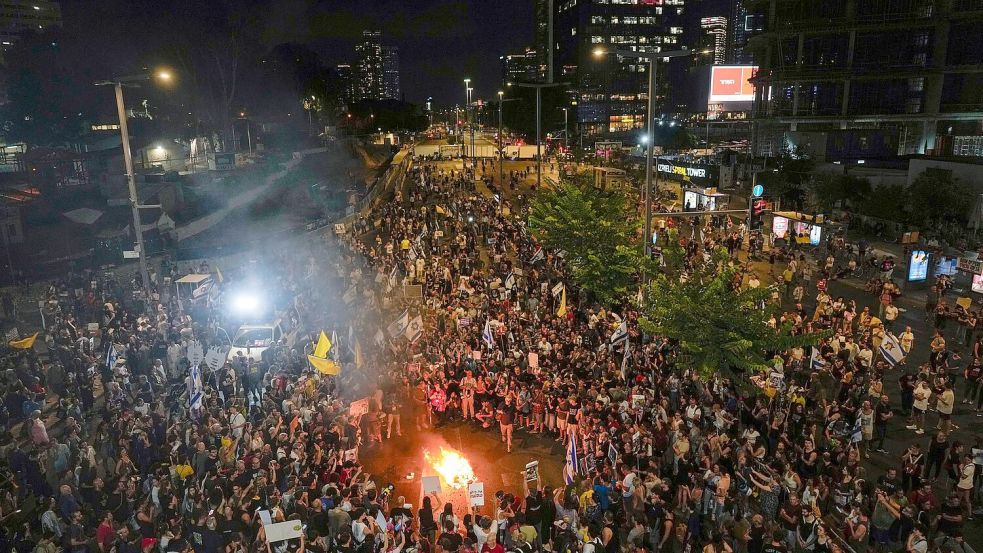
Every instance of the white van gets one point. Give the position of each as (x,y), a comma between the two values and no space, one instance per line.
(253,339)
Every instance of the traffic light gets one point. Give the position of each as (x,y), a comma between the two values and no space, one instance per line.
(758,207)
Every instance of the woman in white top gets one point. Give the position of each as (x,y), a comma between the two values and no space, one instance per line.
(964,487)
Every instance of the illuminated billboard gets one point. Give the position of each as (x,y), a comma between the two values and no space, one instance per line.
(730,84)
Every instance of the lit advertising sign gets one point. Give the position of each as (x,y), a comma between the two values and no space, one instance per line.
(978,284)
(730,84)
(946,266)
(779,226)
(918,266)
(704,175)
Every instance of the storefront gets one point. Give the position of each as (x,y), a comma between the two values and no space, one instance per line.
(803,229)
(703,199)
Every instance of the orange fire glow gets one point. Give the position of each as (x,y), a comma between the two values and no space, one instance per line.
(451,466)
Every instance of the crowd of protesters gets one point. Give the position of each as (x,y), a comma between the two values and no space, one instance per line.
(666,461)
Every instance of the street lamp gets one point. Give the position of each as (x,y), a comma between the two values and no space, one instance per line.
(501,138)
(118,83)
(566,140)
(539,130)
(467,122)
(652,58)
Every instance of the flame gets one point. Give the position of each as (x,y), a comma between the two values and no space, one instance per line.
(451,466)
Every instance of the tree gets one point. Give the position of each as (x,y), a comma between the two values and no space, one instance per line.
(597,230)
(937,199)
(788,176)
(828,191)
(48,89)
(720,329)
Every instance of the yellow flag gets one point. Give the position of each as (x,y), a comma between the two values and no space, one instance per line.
(323,346)
(324,366)
(440,209)
(24,343)
(562,311)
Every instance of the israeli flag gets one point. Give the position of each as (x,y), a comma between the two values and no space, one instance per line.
(510,281)
(620,334)
(487,335)
(857,435)
(195,389)
(111,357)
(891,349)
(815,361)
(538,256)
(624,362)
(398,326)
(572,466)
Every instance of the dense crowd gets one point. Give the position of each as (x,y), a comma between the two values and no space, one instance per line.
(657,459)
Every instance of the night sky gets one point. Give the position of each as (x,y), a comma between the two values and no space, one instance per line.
(440,41)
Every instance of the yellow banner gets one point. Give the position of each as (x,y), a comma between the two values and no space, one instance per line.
(24,343)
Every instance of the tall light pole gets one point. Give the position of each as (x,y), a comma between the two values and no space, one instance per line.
(501,156)
(464,144)
(566,139)
(652,58)
(501,138)
(539,127)
(118,83)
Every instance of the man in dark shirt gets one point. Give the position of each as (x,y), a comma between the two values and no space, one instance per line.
(882,414)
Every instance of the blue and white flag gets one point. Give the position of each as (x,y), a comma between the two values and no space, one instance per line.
(891,349)
(620,334)
(111,357)
(487,335)
(195,389)
(572,467)
(398,326)
(510,281)
(857,435)
(335,352)
(816,362)
(624,361)
(539,255)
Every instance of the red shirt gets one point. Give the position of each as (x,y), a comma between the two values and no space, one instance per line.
(105,535)
(497,549)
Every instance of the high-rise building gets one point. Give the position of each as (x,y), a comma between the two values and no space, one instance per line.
(715,36)
(376,73)
(390,72)
(611,92)
(907,68)
(545,13)
(743,24)
(20,16)
(369,67)
(347,77)
(520,68)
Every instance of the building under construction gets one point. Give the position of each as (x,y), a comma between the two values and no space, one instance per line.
(908,73)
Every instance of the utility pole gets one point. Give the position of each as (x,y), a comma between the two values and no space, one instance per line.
(131,185)
(539,130)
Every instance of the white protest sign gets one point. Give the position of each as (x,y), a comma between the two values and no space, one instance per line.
(431,484)
(215,357)
(476,494)
(359,407)
(281,531)
(264,517)
(533,360)
(196,353)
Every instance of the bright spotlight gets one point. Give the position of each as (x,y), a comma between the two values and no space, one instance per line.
(245,303)
(645,139)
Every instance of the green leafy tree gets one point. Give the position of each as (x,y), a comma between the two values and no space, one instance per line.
(597,230)
(788,177)
(720,329)
(936,199)
(828,191)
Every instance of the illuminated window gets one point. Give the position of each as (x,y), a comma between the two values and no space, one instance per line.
(597,20)
(597,40)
